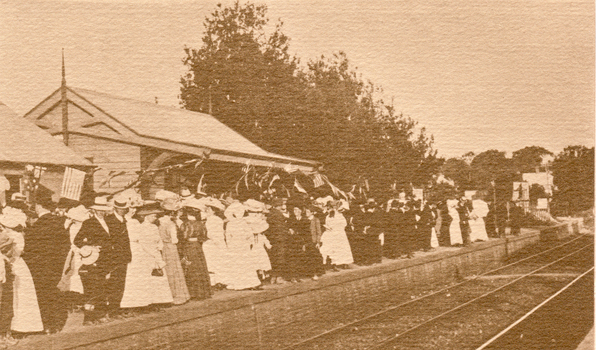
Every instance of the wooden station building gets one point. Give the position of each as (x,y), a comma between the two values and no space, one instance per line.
(124,137)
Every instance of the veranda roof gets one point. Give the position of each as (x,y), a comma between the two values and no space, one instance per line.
(23,142)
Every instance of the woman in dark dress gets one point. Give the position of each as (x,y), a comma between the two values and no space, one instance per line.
(300,236)
(194,234)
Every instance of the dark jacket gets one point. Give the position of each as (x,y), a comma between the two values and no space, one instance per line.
(92,233)
(47,244)
(119,238)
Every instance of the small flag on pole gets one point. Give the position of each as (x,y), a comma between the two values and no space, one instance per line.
(298,186)
(318,180)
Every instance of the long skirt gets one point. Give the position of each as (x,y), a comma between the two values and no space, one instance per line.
(175,273)
(455,234)
(335,245)
(196,273)
(27,317)
(141,288)
(478,232)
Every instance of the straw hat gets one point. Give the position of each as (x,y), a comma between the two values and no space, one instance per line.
(89,254)
(235,210)
(185,193)
(212,202)
(253,205)
(120,202)
(101,203)
(171,204)
(12,217)
(79,213)
(162,195)
(150,208)
(194,203)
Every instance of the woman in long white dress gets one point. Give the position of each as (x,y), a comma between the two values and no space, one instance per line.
(239,273)
(71,281)
(27,317)
(334,242)
(141,287)
(455,234)
(257,223)
(215,249)
(477,221)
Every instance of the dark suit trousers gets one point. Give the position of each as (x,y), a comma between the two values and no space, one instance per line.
(115,288)
(52,305)
(95,287)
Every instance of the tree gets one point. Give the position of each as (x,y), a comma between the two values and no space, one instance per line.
(574,178)
(459,171)
(529,158)
(241,75)
(325,111)
(492,169)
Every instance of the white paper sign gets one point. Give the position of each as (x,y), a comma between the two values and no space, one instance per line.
(72,183)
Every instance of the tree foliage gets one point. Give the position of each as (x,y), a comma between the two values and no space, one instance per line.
(529,158)
(324,111)
(574,178)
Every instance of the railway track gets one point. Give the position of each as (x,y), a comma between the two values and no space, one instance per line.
(450,317)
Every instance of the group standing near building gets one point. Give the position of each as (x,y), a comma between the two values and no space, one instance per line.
(123,256)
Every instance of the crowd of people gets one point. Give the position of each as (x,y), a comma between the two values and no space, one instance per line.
(124,256)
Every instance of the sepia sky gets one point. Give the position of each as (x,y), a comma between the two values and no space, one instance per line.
(478,75)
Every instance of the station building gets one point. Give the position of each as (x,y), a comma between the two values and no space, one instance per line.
(125,138)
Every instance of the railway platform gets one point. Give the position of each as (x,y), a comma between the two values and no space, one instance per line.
(282,314)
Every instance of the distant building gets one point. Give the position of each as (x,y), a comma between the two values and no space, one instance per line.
(125,137)
(544,179)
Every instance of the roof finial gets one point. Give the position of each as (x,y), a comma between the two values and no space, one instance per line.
(63,69)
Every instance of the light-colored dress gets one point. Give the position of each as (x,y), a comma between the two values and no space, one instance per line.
(239,274)
(259,258)
(141,288)
(71,280)
(215,249)
(174,271)
(27,317)
(334,242)
(478,231)
(455,234)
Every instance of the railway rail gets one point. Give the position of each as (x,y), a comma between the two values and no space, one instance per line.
(435,320)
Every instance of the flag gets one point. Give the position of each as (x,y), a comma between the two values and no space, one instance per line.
(72,183)
(318,180)
(298,186)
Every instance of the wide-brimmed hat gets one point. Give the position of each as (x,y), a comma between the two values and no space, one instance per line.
(150,208)
(79,213)
(89,254)
(162,195)
(194,203)
(212,202)
(254,206)
(12,217)
(100,203)
(235,210)
(171,204)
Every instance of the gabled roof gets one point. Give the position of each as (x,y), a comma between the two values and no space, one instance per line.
(159,126)
(23,142)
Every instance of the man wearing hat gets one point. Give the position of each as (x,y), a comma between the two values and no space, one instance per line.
(121,247)
(278,235)
(47,244)
(95,235)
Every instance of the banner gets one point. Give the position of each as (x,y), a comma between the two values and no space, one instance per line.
(72,183)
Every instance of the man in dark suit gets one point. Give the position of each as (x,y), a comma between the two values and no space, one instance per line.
(278,235)
(47,244)
(464,209)
(96,233)
(121,248)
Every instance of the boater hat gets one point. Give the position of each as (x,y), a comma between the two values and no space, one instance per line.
(89,254)
(151,208)
(100,203)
